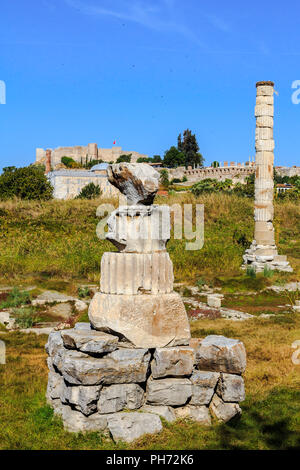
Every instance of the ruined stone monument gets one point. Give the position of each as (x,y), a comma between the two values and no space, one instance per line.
(263,251)
(135,361)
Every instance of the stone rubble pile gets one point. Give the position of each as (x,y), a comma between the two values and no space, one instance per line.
(136,354)
(95,380)
(263,251)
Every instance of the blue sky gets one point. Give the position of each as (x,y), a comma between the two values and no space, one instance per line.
(139,72)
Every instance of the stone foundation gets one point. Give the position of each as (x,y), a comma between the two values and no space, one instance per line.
(99,383)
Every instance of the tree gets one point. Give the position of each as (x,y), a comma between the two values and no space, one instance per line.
(156,159)
(70,163)
(190,148)
(26,183)
(90,191)
(215,164)
(124,158)
(173,158)
(164,178)
(143,160)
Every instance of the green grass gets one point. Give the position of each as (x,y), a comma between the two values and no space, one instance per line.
(15,298)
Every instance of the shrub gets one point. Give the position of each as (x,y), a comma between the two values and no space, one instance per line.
(83,292)
(15,299)
(90,191)
(25,317)
(124,158)
(25,183)
(164,178)
(251,272)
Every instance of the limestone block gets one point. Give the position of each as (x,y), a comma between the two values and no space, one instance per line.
(83,398)
(213,301)
(224,411)
(231,388)
(263,212)
(165,412)
(263,133)
(136,273)
(220,354)
(75,421)
(151,321)
(139,229)
(265,157)
(55,384)
(200,414)
(80,306)
(264,173)
(203,386)
(50,364)
(264,110)
(49,297)
(264,90)
(264,121)
(265,99)
(54,343)
(89,341)
(265,145)
(265,237)
(117,397)
(130,426)
(120,366)
(137,181)
(171,392)
(178,361)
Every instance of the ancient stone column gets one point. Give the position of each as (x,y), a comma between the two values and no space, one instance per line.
(263,250)
(136,299)
(48,161)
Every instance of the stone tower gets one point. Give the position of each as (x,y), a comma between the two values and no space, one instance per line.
(263,251)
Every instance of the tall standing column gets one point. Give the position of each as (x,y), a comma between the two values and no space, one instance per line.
(263,250)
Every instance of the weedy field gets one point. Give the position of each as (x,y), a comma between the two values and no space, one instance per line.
(53,245)
(43,241)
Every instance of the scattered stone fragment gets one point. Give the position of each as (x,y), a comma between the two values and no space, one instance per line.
(130,426)
(213,301)
(224,411)
(172,392)
(63,310)
(84,399)
(178,361)
(120,396)
(120,366)
(89,341)
(37,331)
(49,297)
(203,386)
(231,388)
(217,353)
(165,412)
(80,305)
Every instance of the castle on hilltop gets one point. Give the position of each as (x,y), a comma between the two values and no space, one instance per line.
(84,154)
